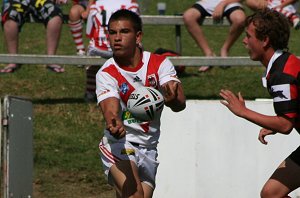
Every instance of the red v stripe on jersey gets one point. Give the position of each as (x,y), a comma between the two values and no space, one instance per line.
(113,71)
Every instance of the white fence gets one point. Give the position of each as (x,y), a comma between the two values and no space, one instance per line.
(93,60)
(206,151)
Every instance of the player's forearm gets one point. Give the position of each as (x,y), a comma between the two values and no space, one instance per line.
(275,123)
(110,109)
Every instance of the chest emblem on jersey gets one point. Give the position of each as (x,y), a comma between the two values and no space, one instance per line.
(152,80)
(124,88)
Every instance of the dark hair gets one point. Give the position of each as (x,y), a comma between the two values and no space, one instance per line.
(272,24)
(127,15)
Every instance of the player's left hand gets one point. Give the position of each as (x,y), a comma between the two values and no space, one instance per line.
(235,104)
(263,133)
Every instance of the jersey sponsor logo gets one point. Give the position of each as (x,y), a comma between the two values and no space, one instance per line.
(137,79)
(124,88)
(152,80)
(126,115)
(281,93)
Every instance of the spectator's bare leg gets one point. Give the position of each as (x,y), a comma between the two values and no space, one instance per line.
(53,34)
(52,38)
(237,18)
(191,17)
(11,34)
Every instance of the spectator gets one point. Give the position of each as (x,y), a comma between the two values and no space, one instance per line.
(129,146)
(13,18)
(267,38)
(96,30)
(232,9)
(288,8)
(79,12)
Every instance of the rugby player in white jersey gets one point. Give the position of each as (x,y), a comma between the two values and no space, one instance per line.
(96,30)
(129,147)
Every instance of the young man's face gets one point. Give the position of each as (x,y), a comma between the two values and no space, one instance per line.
(255,46)
(123,38)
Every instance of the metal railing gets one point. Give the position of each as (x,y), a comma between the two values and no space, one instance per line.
(95,60)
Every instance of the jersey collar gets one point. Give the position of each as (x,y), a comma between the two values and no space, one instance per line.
(272,60)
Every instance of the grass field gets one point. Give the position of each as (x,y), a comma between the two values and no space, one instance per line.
(67,130)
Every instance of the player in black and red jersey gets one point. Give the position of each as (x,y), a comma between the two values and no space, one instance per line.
(267,36)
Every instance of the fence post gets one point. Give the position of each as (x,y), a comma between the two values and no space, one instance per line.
(17,147)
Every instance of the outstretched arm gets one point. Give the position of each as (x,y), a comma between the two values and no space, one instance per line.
(173,95)
(110,108)
(236,105)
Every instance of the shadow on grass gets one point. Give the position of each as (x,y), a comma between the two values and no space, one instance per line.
(53,101)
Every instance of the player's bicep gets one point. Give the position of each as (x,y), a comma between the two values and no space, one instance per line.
(167,72)
(106,86)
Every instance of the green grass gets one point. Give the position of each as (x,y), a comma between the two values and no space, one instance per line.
(67,130)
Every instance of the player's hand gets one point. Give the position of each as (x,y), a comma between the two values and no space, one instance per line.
(116,128)
(263,133)
(235,104)
(169,91)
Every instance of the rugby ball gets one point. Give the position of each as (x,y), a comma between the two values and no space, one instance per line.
(145,103)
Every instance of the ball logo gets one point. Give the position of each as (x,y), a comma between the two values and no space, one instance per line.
(134,96)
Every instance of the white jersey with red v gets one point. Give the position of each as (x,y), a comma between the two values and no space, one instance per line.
(117,81)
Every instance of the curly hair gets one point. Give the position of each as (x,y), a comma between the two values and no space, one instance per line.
(272,24)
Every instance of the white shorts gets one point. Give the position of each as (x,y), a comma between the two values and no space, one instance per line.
(145,158)
(210,5)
